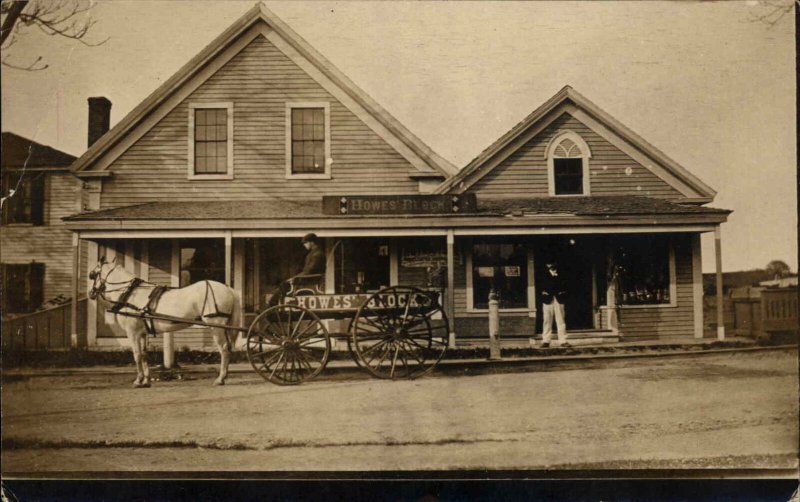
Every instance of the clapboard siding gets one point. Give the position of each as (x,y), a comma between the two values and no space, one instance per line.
(260,80)
(51,243)
(160,262)
(658,322)
(524,172)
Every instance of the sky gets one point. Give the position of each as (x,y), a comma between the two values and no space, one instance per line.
(706,83)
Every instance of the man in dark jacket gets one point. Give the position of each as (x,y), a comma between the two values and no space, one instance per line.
(554,292)
(314,265)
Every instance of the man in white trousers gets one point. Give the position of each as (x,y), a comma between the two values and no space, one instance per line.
(554,292)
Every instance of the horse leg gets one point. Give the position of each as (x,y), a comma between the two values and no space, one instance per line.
(137,358)
(223,344)
(140,358)
(145,367)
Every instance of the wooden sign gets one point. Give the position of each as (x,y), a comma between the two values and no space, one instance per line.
(399,204)
(347,302)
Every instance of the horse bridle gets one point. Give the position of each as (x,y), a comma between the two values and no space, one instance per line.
(99,288)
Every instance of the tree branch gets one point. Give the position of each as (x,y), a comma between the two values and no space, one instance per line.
(12,15)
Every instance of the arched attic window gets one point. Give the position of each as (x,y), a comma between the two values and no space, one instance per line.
(568,164)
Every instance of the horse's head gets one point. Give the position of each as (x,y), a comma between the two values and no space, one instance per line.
(99,276)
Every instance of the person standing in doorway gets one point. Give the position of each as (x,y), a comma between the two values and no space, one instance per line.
(554,292)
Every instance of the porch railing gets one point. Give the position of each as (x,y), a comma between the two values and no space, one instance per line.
(44,329)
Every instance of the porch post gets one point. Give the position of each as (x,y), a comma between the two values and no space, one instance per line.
(611,290)
(169,337)
(450,308)
(76,266)
(228,257)
(238,274)
(130,256)
(91,305)
(720,299)
(697,285)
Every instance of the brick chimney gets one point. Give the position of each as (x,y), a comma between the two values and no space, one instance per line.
(99,118)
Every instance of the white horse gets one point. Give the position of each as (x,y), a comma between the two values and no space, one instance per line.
(209,302)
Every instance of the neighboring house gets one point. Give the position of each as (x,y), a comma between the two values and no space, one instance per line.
(218,173)
(35,247)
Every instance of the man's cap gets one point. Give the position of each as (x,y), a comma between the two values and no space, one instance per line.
(312,237)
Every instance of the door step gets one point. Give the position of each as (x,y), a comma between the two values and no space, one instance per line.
(579,338)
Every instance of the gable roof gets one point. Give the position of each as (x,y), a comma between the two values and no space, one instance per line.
(260,14)
(16,151)
(471,172)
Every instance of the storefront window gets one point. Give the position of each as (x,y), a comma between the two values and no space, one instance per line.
(644,272)
(501,267)
(362,265)
(202,259)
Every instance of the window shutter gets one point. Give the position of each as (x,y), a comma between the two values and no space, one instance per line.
(37,199)
(37,285)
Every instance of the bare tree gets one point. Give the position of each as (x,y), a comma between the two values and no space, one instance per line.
(63,18)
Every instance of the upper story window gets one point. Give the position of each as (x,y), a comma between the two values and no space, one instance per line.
(26,204)
(211,141)
(308,140)
(568,164)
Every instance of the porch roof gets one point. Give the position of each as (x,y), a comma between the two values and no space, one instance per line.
(285,208)
(285,213)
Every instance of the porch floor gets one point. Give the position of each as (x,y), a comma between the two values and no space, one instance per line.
(594,339)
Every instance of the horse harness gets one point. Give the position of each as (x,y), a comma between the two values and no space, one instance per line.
(149,309)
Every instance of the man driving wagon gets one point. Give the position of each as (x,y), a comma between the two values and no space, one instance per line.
(312,274)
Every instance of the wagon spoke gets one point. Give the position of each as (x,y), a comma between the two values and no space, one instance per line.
(382,326)
(383,356)
(312,324)
(299,321)
(266,363)
(376,346)
(394,360)
(272,375)
(413,342)
(265,352)
(408,307)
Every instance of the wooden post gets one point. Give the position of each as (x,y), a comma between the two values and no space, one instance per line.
(611,290)
(451,301)
(239,280)
(76,265)
(494,327)
(169,338)
(720,299)
(91,305)
(697,285)
(228,258)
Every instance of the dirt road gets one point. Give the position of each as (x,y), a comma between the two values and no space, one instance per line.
(730,411)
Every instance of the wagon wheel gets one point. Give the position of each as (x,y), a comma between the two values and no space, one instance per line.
(288,345)
(400,332)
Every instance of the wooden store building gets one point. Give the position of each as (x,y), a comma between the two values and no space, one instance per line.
(259,140)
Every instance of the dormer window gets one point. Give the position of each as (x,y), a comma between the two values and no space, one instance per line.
(568,164)
(211,141)
(308,141)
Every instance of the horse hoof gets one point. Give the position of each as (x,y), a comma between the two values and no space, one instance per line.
(138,385)
(219,382)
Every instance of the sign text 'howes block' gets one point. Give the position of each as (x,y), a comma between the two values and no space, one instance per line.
(398,204)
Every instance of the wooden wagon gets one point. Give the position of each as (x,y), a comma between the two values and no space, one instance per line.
(397,332)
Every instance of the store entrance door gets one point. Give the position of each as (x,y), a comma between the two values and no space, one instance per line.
(575,257)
